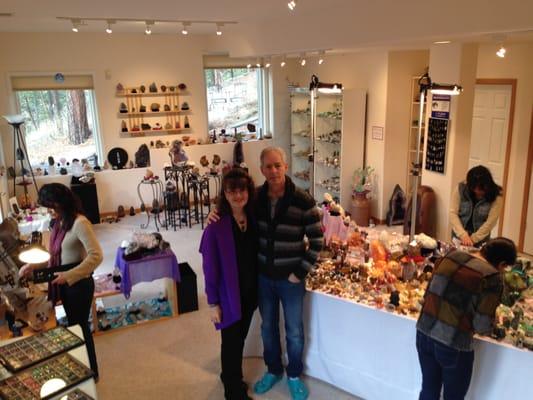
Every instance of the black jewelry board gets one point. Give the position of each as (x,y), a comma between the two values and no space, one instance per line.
(436,145)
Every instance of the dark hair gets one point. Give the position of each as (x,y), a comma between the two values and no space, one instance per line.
(480,177)
(236,178)
(499,250)
(63,201)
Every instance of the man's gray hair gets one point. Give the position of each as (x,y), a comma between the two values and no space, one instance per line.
(273,149)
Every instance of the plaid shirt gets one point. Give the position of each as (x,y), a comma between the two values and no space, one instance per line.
(460,300)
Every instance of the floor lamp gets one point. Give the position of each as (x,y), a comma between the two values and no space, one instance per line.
(21,153)
(425,84)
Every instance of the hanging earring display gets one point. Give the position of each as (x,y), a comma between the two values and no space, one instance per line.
(436,146)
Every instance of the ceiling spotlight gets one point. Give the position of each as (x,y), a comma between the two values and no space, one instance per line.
(283,63)
(248,65)
(291,4)
(258,64)
(321,57)
(501,52)
(108,29)
(219,29)
(184,31)
(442,42)
(148,29)
(302,59)
(75,25)
(267,63)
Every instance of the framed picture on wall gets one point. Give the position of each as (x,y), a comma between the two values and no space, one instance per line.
(14,205)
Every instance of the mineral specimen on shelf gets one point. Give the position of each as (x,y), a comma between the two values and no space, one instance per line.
(185,106)
(135,128)
(133,91)
(203,161)
(166,107)
(120,88)
(123,108)
(132,211)
(182,86)
(145,126)
(177,125)
(157,127)
(168,126)
(142,156)
(143,88)
(153,88)
(163,88)
(124,127)
(155,107)
(142,108)
(121,213)
(186,124)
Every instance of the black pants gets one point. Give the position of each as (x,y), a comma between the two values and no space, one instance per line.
(77,300)
(233,338)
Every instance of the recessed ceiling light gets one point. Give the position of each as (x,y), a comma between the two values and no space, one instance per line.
(219,29)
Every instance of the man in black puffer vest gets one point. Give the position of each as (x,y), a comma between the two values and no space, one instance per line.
(286,215)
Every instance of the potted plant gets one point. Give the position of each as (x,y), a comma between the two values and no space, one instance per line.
(363,178)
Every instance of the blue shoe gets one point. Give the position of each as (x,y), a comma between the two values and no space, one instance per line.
(298,389)
(264,384)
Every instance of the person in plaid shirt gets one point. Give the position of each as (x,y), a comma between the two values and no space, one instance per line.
(460,300)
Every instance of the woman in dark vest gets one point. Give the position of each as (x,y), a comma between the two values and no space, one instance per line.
(475,207)
(229,251)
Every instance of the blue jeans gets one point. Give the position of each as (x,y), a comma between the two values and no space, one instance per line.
(443,366)
(291,295)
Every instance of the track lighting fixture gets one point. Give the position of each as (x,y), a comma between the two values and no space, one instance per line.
(75,25)
(148,29)
(302,60)
(108,29)
(248,65)
(267,63)
(292,5)
(283,62)
(219,29)
(185,31)
(501,52)
(321,54)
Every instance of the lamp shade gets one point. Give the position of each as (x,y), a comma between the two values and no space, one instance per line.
(34,254)
(15,118)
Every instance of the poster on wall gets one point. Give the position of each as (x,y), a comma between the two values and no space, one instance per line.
(436,145)
(440,106)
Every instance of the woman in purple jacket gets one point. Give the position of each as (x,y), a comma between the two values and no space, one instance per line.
(229,251)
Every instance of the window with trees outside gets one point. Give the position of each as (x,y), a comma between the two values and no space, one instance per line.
(235,99)
(59,123)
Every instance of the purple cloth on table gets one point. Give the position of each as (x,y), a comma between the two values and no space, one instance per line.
(160,265)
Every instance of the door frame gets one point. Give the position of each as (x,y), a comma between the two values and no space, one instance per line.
(512,83)
(526,188)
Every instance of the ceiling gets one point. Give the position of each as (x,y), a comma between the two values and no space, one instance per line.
(268,27)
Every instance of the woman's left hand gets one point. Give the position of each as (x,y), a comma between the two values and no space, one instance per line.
(60,278)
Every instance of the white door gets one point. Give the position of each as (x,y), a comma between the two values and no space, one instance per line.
(490,125)
(528,236)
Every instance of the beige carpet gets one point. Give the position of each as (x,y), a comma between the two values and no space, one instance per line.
(176,358)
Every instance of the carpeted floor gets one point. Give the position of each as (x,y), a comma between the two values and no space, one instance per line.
(176,358)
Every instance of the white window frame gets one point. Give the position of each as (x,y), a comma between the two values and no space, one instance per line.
(16,108)
(263,94)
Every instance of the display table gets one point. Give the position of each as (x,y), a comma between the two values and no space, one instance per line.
(146,269)
(40,223)
(372,354)
(80,354)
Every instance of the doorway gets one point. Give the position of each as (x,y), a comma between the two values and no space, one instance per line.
(492,125)
(525,243)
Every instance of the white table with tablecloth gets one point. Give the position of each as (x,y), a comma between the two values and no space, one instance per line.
(372,354)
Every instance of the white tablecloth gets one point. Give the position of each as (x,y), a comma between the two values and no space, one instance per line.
(40,223)
(372,354)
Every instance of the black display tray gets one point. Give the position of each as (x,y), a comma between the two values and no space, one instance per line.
(27,384)
(77,394)
(31,350)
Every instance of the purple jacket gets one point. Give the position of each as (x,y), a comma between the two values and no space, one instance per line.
(221,271)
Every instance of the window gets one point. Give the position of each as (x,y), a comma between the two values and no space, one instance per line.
(60,122)
(235,99)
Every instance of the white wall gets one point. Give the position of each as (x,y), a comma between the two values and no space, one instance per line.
(518,65)
(129,58)
(366,71)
